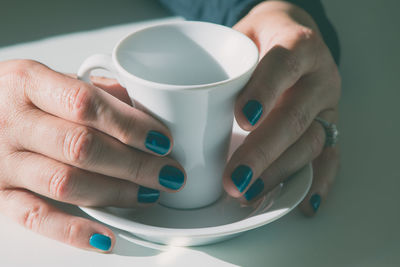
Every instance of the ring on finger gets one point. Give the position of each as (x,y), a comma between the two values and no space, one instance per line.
(331,132)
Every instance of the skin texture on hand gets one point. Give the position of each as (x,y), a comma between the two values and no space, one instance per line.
(295,81)
(73,142)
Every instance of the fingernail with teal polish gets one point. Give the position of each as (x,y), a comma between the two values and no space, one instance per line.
(315,201)
(157,142)
(171,177)
(253,111)
(100,241)
(147,195)
(255,189)
(241,177)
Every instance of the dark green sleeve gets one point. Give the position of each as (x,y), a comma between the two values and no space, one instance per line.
(228,12)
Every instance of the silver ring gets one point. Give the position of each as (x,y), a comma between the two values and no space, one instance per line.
(331,132)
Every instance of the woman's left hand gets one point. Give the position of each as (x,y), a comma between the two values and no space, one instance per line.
(295,81)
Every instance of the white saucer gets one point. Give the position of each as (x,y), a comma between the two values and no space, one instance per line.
(222,220)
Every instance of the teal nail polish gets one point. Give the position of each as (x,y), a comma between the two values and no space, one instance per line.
(241,177)
(315,201)
(256,188)
(171,177)
(253,111)
(157,142)
(100,241)
(147,195)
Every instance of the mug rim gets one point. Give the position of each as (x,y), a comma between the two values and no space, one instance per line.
(167,86)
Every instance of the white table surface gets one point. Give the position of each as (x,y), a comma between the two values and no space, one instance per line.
(358,225)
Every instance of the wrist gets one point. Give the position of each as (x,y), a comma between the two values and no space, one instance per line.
(274,7)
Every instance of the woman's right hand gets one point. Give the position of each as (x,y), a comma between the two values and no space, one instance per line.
(70,141)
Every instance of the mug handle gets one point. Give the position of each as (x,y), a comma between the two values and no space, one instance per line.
(97,61)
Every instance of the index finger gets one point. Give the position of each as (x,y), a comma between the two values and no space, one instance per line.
(280,68)
(88,105)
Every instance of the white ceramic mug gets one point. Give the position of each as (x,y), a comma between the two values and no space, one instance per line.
(186,74)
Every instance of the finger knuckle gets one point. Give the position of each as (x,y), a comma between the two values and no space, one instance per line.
(33,216)
(304,35)
(123,195)
(298,118)
(18,74)
(306,41)
(290,61)
(298,40)
(61,183)
(136,170)
(262,156)
(79,145)
(126,130)
(25,63)
(20,69)
(7,195)
(79,103)
(73,230)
